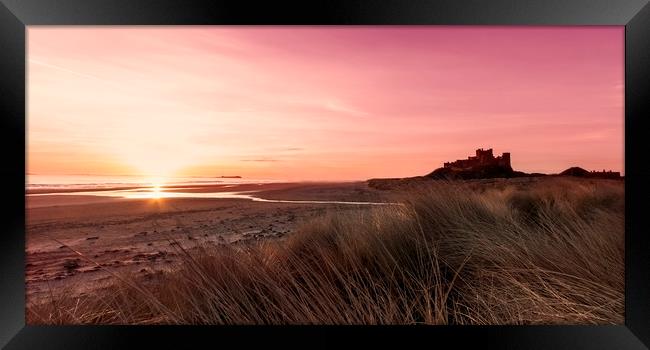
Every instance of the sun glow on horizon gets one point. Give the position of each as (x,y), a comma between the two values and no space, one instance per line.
(156,192)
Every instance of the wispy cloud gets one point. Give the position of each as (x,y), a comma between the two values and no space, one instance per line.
(73,72)
(343,108)
(365,102)
(260,160)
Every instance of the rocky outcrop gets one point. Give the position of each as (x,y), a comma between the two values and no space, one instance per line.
(580,172)
(477,172)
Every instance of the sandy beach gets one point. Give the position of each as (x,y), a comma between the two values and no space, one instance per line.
(76,242)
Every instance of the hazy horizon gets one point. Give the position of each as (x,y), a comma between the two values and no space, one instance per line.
(321,103)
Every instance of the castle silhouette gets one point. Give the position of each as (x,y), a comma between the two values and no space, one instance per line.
(482,158)
(484,165)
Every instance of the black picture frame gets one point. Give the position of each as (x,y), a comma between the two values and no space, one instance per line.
(15,15)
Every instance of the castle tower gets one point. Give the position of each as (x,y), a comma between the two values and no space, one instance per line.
(506,159)
(484,155)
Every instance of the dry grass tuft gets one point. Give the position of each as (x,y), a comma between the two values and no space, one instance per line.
(547,252)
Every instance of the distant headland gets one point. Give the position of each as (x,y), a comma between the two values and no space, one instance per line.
(484,165)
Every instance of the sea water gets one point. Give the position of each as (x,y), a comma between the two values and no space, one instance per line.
(137,187)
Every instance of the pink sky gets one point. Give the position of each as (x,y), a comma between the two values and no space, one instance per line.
(321,103)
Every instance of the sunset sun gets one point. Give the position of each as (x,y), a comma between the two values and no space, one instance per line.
(156,192)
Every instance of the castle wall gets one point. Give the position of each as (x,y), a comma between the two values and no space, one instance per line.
(605,174)
(482,158)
